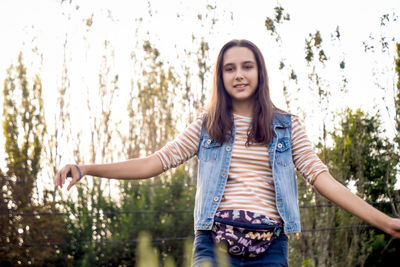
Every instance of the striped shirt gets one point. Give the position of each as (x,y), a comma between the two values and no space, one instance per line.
(250,185)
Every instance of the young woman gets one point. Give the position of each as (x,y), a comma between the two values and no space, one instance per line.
(246,186)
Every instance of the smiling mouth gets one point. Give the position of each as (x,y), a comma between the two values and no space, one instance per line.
(240,85)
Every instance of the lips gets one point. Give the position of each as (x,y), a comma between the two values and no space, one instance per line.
(241,85)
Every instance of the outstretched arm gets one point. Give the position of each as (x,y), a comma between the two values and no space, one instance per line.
(327,186)
(140,168)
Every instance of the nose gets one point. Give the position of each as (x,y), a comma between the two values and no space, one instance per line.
(239,75)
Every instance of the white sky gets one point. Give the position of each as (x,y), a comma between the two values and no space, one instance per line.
(45,22)
(25,24)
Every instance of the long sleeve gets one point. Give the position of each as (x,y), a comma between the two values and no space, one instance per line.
(304,157)
(182,148)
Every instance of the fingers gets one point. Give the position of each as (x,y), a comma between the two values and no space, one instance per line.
(73,182)
(62,175)
(396,227)
(58,178)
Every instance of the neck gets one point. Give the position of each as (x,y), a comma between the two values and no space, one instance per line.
(243,108)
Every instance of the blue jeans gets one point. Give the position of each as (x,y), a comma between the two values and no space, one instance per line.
(276,254)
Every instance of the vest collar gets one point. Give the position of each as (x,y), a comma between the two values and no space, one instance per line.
(281,119)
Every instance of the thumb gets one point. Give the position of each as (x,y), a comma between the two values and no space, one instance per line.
(73,182)
(76,176)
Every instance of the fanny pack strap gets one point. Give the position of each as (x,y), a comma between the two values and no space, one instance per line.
(273,227)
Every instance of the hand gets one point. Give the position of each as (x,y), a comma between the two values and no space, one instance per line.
(69,170)
(393,228)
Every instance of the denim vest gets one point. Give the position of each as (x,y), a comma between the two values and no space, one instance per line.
(214,160)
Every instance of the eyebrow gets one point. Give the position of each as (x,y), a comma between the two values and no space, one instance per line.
(244,62)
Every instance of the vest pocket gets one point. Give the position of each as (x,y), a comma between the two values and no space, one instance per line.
(209,149)
(283,155)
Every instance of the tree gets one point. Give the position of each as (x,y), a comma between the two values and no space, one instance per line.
(363,156)
(23,128)
(87,231)
(151,108)
(396,194)
(359,154)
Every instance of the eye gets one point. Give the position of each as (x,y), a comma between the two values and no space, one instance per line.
(228,69)
(248,67)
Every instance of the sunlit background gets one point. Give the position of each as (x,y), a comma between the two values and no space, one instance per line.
(51,33)
(74,46)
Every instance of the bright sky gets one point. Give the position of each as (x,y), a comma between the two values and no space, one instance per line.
(44,24)
(25,24)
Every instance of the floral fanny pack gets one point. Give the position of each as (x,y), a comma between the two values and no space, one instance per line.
(245,233)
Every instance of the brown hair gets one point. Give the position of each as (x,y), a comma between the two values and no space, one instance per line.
(219,117)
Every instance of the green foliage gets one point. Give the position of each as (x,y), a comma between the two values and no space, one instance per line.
(362,155)
(161,195)
(313,45)
(269,24)
(146,255)
(102,232)
(383,250)
(109,230)
(397,98)
(279,17)
(204,69)
(306,263)
(155,101)
(86,226)
(23,129)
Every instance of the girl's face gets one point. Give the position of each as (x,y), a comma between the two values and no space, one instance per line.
(240,74)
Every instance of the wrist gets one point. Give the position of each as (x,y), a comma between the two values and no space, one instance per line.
(79,171)
(83,170)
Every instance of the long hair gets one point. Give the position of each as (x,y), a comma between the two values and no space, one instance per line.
(219,117)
